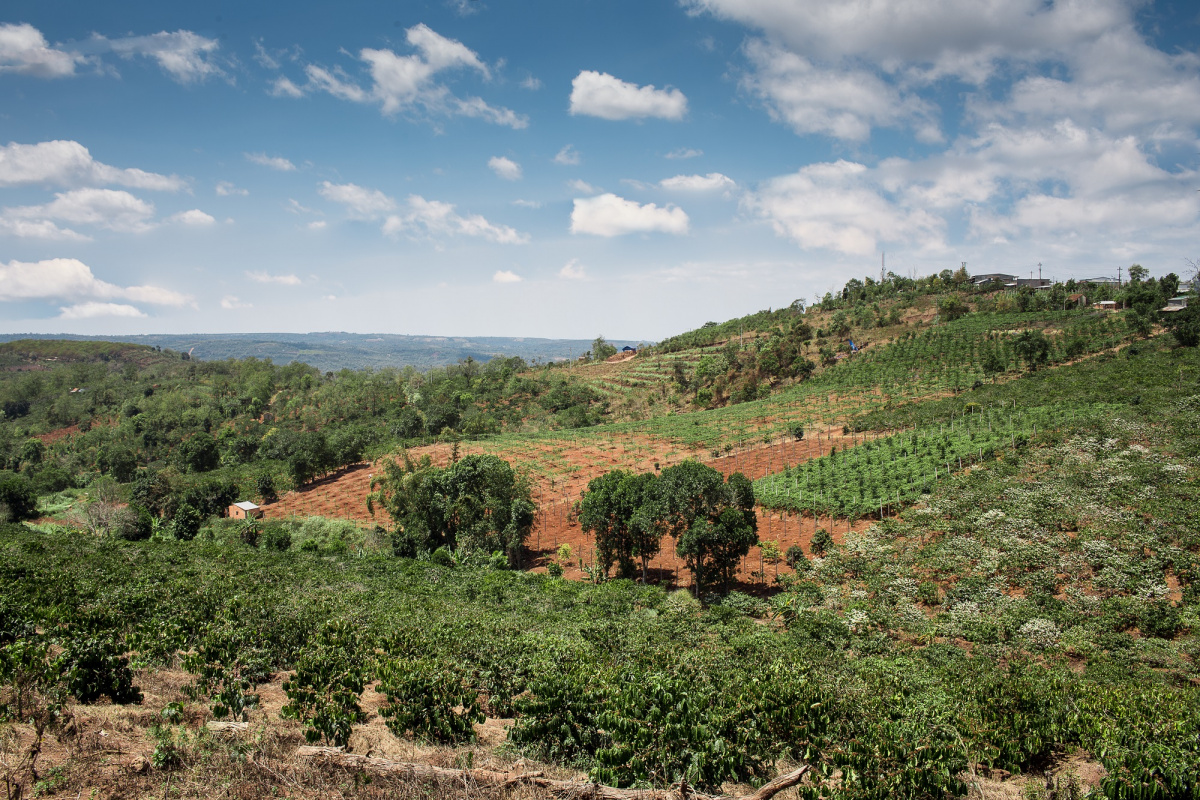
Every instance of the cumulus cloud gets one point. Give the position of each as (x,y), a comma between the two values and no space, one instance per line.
(227,189)
(91,310)
(418,217)
(37,229)
(266,277)
(598,94)
(230,302)
(194,217)
(409,84)
(104,208)
(273,162)
(684,152)
(505,168)
(506,276)
(842,103)
(70,279)
(68,163)
(712,182)
(961,38)
(186,56)
(573,271)
(836,206)
(24,50)
(435,218)
(568,156)
(361,202)
(610,215)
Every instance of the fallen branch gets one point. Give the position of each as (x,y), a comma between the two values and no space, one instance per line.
(566,789)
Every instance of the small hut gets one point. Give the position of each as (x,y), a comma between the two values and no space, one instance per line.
(245,510)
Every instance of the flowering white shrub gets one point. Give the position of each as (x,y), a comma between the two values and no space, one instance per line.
(1040,633)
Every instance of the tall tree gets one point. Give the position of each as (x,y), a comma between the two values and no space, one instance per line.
(615,510)
(712,520)
(478,503)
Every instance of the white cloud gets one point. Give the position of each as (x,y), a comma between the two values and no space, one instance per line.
(435,218)
(963,38)
(68,163)
(506,276)
(505,168)
(837,206)
(91,310)
(273,162)
(24,50)
(609,215)
(712,182)
(186,56)
(266,277)
(842,103)
(361,202)
(227,189)
(573,271)
(71,279)
(582,187)
(316,225)
(37,229)
(531,83)
(599,94)
(284,87)
(527,203)
(194,217)
(230,302)
(568,156)
(684,152)
(408,83)
(424,217)
(105,208)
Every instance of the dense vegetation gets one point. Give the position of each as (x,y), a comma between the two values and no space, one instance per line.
(1030,590)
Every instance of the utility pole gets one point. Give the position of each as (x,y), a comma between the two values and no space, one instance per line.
(1118,276)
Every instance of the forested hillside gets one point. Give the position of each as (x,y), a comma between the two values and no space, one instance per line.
(960,558)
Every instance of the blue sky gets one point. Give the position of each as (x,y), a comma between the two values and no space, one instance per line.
(566,169)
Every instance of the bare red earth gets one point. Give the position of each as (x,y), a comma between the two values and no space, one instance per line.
(343,495)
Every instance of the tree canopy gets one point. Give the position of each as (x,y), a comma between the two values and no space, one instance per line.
(616,508)
(478,504)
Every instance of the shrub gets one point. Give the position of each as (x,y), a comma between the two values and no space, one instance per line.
(16,495)
(93,666)
(276,536)
(428,700)
(795,558)
(821,542)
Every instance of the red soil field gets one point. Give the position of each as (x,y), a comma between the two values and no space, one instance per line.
(342,495)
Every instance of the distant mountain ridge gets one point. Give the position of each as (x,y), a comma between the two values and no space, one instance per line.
(334,350)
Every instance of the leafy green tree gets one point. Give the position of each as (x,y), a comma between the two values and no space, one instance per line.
(198,453)
(1185,325)
(17,497)
(711,519)
(602,350)
(951,307)
(614,508)
(478,503)
(993,362)
(1033,348)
